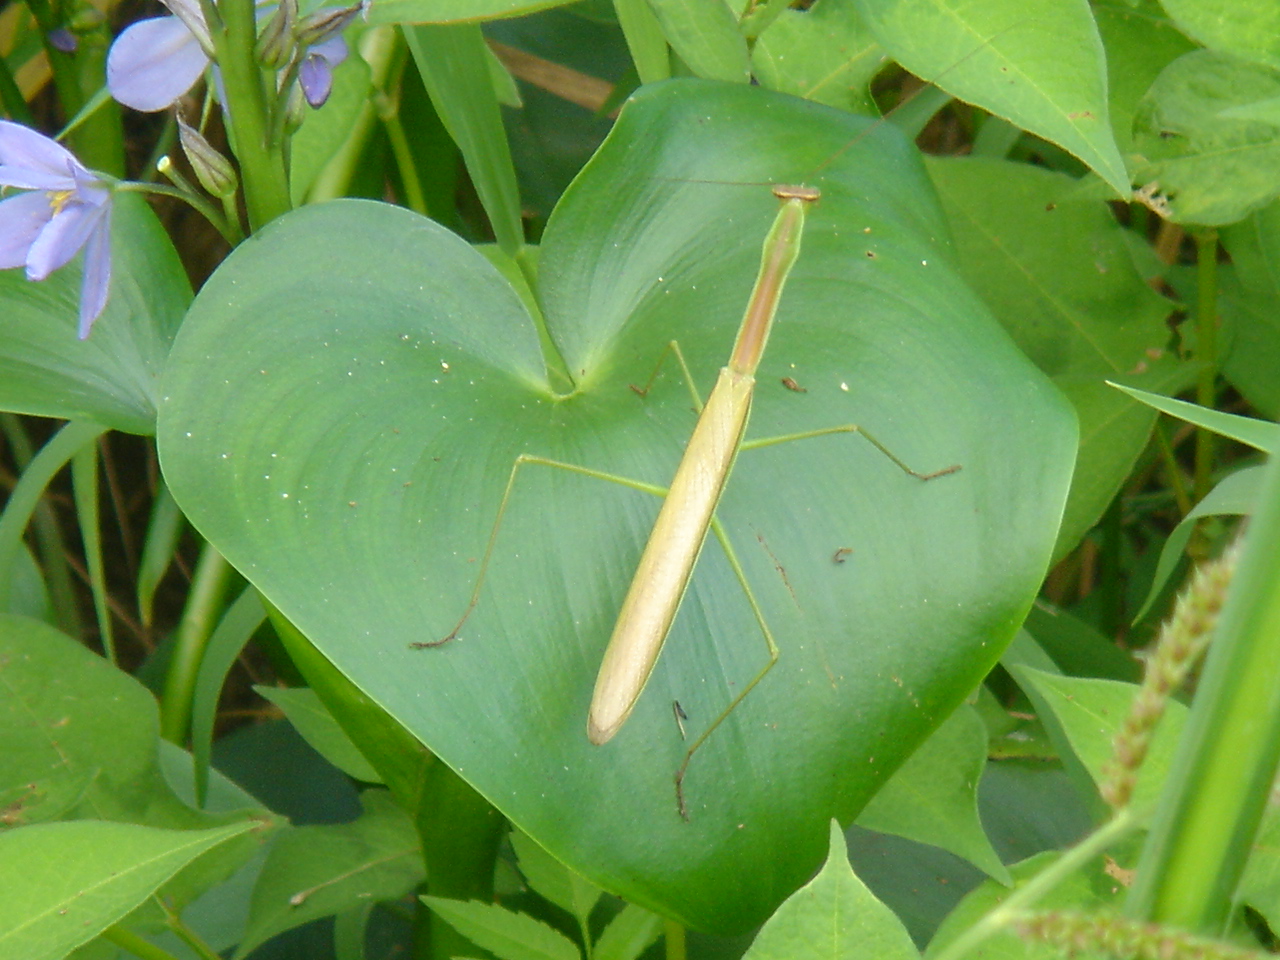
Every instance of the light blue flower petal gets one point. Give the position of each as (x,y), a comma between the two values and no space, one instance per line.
(96,284)
(316,78)
(23,149)
(24,178)
(58,242)
(153,63)
(333,50)
(21,220)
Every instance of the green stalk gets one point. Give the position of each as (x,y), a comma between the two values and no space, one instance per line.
(204,606)
(12,102)
(126,939)
(1206,352)
(1221,779)
(249,92)
(53,556)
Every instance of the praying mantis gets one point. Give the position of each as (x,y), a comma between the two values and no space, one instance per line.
(687,515)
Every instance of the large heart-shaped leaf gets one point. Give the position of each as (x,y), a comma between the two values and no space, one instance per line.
(350,390)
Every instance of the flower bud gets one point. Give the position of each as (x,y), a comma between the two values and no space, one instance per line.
(275,42)
(212,169)
(63,39)
(320,25)
(295,109)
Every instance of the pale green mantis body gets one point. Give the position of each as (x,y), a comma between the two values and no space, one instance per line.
(688,511)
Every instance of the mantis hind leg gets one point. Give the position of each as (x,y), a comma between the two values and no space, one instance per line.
(852,428)
(524,459)
(756,612)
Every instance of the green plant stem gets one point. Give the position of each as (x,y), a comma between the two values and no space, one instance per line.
(126,939)
(460,832)
(84,475)
(263,172)
(674,940)
(186,934)
(27,492)
(204,605)
(388,107)
(53,557)
(1206,353)
(1025,897)
(11,99)
(1173,472)
(1220,781)
(228,226)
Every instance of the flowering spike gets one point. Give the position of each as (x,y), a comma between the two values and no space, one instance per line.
(1125,938)
(1182,640)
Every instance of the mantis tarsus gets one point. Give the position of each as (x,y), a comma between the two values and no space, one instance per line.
(688,511)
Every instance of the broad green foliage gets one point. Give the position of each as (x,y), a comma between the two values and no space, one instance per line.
(933,796)
(405,377)
(318,871)
(978,51)
(337,413)
(1203,142)
(112,377)
(69,881)
(1058,274)
(833,917)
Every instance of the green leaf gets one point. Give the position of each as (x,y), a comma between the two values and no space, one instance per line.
(628,935)
(1250,290)
(645,42)
(454,11)
(1090,713)
(933,798)
(1057,272)
(823,53)
(1249,29)
(320,871)
(1234,495)
(705,35)
(80,877)
(80,736)
(405,376)
(1140,42)
(110,378)
(1077,647)
(550,878)
(1037,63)
(1260,885)
(507,935)
(80,741)
(1210,167)
(1259,434)
(454,64)
(318,727)
(833,916)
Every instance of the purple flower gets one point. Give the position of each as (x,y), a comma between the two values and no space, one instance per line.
(67,208)
(156,61)
(315,75)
